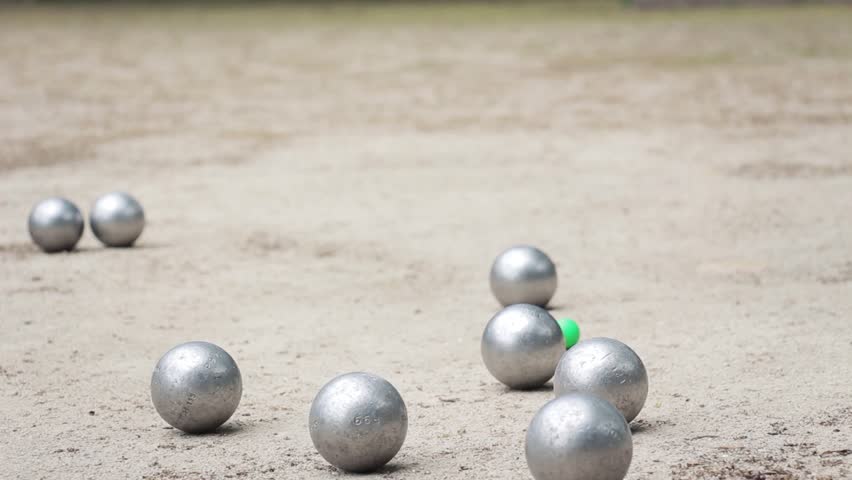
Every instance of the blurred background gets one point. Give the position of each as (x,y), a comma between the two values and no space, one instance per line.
(326,184)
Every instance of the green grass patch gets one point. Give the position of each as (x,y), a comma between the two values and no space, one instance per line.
(371,14)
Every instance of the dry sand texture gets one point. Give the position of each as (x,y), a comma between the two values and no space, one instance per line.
(325,192)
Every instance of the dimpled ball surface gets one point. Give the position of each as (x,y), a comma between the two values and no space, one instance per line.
(578,437)
(523,274)
(196,387)
(55,224)
(607,368)
(521,346)
(117,219)
(358,422)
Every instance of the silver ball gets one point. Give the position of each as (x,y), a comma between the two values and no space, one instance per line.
(523,274)
(521,346)
(196,387)
(606,368)
(358,422)
(55,224)
(117,219)
(578,437)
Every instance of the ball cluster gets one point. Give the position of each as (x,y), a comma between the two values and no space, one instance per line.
(600,383)
(56,224)
(358,421)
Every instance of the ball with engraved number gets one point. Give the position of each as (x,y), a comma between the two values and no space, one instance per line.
(521,346)
(578,436)
(117,219)
(196,387)
(55,225)
(607,368)
(358,422)
(523,274)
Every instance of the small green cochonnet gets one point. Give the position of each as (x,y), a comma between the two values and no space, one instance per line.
(570,330)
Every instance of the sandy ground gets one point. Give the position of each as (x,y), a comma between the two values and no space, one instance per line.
(324,197)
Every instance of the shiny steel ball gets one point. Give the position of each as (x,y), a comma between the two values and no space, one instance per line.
(606,368)
(523,274)
(521,346)
(196,387)
(117,219)
(358,422)
(578,436)
(55,224)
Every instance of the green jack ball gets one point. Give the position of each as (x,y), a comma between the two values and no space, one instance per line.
(570,330)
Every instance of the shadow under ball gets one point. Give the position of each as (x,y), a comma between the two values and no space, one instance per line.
(523,274)
(196,387)
(578,436)
(358,422)
(521,346)
(55,225)
(117,219)
(607,368)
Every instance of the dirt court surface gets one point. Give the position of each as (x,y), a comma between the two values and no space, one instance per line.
(326,190)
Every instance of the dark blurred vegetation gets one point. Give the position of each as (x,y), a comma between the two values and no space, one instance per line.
(553,5)
(714,3)
(584,3)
